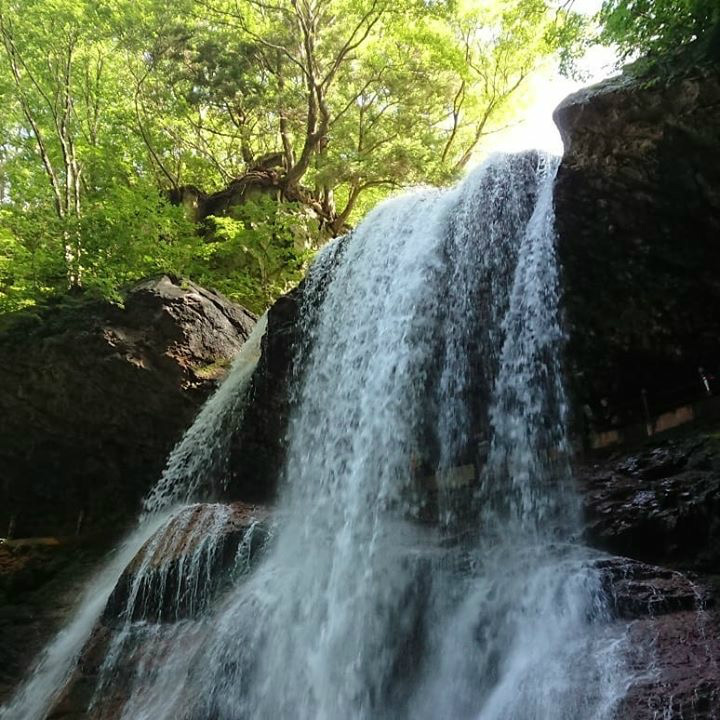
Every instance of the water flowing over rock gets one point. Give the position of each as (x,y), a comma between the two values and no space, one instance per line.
(92,397)
(424,561)
(160,602)
(172,548)
(425,557)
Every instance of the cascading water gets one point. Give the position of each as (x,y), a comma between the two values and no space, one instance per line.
(425,562)
(361,611)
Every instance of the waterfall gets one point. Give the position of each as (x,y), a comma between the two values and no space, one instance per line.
(425,562)
(200,458)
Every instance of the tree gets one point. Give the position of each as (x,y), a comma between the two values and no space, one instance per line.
(326,105)
(68,158)
(655,27)
(349,97)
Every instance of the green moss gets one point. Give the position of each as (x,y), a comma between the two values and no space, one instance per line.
(212,371)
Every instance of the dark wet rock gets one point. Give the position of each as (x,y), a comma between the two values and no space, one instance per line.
(257,451)
(673,640)
(638,589)
(93,395)
(186,562)
(638,215)
(258,448)
(662,503)
(40,582)
(182,568)
(659,503)
(675,662)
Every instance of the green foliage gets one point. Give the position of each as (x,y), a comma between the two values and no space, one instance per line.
(109,107)
(657,27)
(259,253)
(129,235)
(124,237)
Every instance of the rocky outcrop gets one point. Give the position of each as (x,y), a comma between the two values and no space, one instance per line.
(93,395)
(257,449)
(184,564)
(40,582)
(196,554)
(659,503)
(672,643)
(638,215)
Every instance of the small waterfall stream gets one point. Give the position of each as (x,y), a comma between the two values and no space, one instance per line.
(196,460)
(425,561)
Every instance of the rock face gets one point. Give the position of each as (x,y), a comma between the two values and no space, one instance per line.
(40,582)
(258,448)
(638,214)
(170,583)
(673,643)
(659,503)
(637,203)
(94,395)
(179,570)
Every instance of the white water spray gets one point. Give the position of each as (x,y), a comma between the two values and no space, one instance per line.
(57,661)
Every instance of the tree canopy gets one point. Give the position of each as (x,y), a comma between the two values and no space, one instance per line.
(113,109)
(656,27)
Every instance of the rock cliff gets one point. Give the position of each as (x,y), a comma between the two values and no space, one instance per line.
(93,395)
(638,216)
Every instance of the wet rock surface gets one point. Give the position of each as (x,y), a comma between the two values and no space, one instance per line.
(660,502)
(40,582)
(94,395)
(182,566)
(675,663)
(673,640)
(171,581)
(639,590)
(257,449)
(638,215)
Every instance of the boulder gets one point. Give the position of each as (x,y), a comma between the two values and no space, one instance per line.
(639,590)
(181,567)
(637,203)
(672,640)
(93,395)
(660,502)
(160,603)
